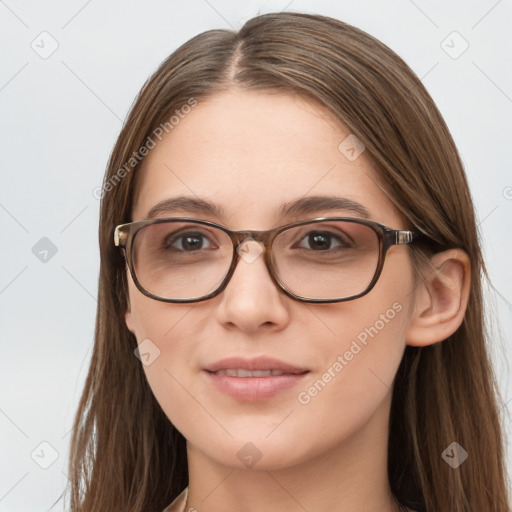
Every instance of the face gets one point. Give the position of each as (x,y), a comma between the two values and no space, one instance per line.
(249,152)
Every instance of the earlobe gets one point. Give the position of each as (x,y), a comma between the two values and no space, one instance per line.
(440,299)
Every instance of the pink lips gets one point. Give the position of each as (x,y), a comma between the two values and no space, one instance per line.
(241,385)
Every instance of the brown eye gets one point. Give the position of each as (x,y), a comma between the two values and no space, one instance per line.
(322,240)
(187,242)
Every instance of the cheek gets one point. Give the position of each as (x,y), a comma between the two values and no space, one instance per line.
(148,318)
(166,339)
(360,358)
(362,344)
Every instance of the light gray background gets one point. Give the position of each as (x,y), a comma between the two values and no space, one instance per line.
(61,115)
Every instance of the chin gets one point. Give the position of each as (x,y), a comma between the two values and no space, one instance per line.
(240,453)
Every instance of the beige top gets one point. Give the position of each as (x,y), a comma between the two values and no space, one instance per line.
(178,505)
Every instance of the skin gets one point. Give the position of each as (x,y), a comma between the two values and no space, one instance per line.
(249,152)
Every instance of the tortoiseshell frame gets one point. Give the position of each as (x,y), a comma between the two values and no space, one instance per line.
(124,236)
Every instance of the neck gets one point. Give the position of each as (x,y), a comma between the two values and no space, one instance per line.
(351,476)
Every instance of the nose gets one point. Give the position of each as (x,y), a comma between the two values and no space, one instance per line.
(251,298)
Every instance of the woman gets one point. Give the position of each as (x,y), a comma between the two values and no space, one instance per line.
(290,310)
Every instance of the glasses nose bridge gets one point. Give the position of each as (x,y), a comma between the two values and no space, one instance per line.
(239,237)
(261,237)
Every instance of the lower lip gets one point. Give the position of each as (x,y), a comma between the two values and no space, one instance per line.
(253,389)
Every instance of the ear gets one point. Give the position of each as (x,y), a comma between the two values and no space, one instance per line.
(128,316)
(440,299)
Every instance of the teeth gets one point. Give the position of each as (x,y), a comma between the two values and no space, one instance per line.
(240,372)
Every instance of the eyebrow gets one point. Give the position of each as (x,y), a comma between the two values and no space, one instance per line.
(301,206)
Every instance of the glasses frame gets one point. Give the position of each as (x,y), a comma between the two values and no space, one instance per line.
(124,237)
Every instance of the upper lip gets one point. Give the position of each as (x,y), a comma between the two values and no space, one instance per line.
(255,364)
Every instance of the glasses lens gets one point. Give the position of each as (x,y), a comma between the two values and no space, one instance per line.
(181,260)
(326,260)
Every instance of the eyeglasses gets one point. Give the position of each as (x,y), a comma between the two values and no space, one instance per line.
(318,260)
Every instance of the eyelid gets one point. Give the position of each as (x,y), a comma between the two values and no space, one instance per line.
(323,227)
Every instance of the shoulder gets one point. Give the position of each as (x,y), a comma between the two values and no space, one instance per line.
(178,505)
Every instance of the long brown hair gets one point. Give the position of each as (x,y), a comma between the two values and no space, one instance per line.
(125,453)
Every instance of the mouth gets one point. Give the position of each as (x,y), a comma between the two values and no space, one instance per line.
(242,372)
(253,379)
(256,364)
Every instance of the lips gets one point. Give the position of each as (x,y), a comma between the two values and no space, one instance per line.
(255,379)
(258,364)
(241,372)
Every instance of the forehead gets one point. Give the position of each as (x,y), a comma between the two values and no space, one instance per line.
(251,152)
